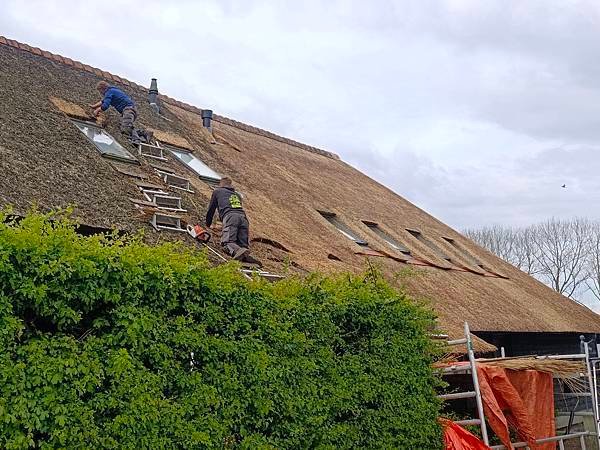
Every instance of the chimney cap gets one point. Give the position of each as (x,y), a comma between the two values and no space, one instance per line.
(206,113)
(153,85)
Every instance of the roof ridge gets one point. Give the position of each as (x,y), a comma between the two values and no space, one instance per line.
(191,108)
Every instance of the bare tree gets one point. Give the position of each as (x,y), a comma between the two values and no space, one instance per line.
(565,254)
(563,249)
(495,238)
(526,251)
(593,265)
(514,245)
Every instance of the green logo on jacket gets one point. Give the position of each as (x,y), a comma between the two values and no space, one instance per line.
(234,201)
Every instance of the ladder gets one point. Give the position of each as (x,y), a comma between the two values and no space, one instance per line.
(175,181)
(247,273)
(151,151)
(475,393)
(162,221)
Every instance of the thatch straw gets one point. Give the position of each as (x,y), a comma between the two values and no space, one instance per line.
(284,184)
(567,371)
(171,138)
(560,368)
(70,109)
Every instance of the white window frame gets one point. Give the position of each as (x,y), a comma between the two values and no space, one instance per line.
(206,178)
(131,160)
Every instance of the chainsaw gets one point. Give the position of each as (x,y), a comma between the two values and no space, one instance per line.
(199,233)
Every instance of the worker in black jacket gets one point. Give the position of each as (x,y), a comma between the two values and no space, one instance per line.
(235,224)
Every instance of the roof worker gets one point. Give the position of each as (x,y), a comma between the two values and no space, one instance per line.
(235,224)
(115,97)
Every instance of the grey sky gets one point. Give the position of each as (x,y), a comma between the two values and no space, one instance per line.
(476,111)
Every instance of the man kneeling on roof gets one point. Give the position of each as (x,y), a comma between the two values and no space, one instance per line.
(235,224)
(116,98)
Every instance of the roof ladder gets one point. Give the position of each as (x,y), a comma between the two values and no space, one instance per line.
(175,181)
(475,393)
(168,202)
(162,221)
(248,272)
(163,200)
(262,273)
(151,151)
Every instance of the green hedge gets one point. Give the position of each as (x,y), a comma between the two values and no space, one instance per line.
(96,337)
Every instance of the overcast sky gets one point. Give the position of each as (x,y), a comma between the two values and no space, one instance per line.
(477,111)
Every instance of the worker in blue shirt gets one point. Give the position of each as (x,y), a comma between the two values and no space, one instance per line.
(116,98)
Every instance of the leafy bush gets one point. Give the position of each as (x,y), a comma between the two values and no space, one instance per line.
(106,342)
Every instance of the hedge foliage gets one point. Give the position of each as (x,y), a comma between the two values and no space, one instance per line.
(106,342)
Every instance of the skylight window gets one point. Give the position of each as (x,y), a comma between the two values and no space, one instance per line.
(438,251)
(387,238)
(188,158)
(104,142)
(342,228)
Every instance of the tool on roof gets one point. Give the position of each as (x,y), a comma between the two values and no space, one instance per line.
(199,233)
(202,235)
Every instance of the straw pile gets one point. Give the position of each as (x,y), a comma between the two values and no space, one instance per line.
(560,368)
(70,109)
(171,138)
(571,373)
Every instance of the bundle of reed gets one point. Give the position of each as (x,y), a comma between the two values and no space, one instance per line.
(560,368)
(571,373)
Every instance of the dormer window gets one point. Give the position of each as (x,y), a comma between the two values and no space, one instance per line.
(465,254)
(104,142)
(342,228)
(438,251)
(387,238)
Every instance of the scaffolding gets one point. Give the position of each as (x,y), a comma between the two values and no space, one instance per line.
(588,439)
(476,393)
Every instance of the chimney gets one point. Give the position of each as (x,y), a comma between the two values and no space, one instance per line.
(206,118)
(153,96)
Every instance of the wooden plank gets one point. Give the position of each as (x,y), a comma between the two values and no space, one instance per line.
(140,202)
(145,184)
(130,172)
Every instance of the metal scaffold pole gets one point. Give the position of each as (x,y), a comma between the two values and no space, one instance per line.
(471,354)
(476,393)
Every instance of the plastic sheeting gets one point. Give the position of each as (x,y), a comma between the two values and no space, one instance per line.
(522,400)
(457,438)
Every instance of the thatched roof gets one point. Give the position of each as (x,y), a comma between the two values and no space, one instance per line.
(48,162)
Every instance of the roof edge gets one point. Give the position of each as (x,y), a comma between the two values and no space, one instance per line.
(190,108)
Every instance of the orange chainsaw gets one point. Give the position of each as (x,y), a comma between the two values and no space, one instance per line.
(199,233)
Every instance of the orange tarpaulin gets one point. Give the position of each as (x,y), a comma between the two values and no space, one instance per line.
(521,399)
(457,438)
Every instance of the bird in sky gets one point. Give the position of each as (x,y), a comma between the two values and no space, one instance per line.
(564,186)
